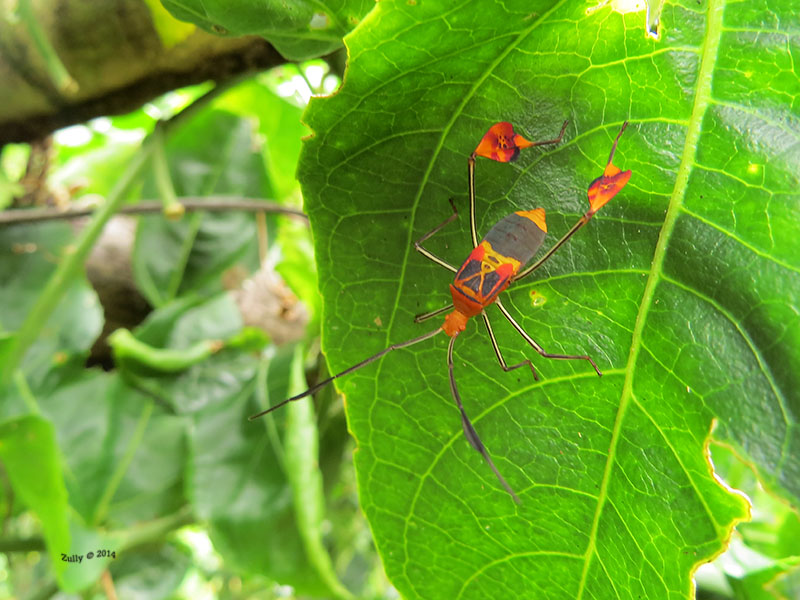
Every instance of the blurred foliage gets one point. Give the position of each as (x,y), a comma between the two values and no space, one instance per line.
(299,30)
(163,440)
(156,461)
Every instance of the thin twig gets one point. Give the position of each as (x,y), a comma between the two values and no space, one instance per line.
(191,203)
(108,585)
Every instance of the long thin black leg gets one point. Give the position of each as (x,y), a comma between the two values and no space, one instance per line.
(363,363)
(427,253)
(537,347)
(554,140)
(500,354)
(469,430)
(471,182)
(524,273)
(433,313)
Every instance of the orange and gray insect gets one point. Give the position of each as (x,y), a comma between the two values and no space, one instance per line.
(492,266)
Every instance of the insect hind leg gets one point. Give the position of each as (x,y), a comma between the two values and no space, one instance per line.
(469,430)
(427,253)
(499,354)
(538,348)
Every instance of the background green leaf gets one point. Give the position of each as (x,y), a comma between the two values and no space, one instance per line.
(298,29)
(33,464)
(215,153)
(28,256)
(763,559)
(237,482)
(682,289)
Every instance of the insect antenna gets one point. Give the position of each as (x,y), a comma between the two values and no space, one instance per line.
(469,430)
(313,389)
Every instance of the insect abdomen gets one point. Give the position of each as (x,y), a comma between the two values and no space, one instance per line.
(490,266)
(519,235)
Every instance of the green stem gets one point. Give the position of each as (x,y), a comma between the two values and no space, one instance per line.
(149,532)
(305,478)
(166,189)
(264,401)
(55,68)
(142,534)
(122,466)
(69,267)
(23,545)
(164,360)
(178,273)
(25,392)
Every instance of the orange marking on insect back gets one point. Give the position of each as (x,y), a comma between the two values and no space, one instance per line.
(606,187)
(480,279)
(492,258)
(536,215)
(501,143)
(478,253)
(505,270)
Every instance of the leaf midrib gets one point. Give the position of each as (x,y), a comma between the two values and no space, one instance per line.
(702,100)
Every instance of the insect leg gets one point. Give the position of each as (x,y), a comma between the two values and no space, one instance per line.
(601,190)
(481,151)
(537,347)
(525,272)
(469,430)
(500,354)
(471,178)
(433,313)
(554,140)
(418,244)
(356,367)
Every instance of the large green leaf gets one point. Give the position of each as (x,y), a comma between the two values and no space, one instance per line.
(682,289)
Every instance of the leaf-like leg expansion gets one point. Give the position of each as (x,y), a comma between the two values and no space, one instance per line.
(502,144)
(601,190)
